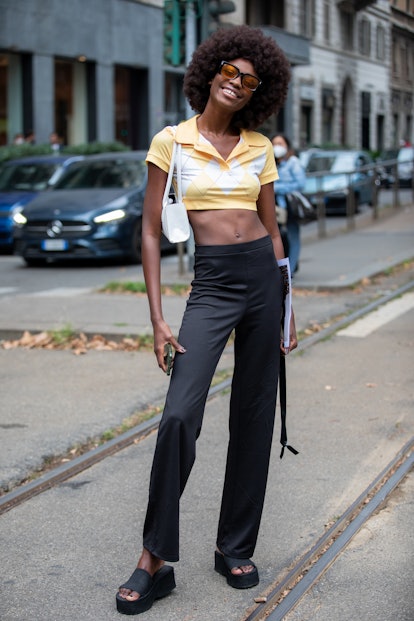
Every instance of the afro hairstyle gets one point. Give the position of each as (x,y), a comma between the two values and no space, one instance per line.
(269,61)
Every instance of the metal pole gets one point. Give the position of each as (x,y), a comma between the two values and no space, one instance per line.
(190,46)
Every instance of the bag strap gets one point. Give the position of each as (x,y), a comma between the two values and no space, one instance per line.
(178,163)
(175,161)
(282,398)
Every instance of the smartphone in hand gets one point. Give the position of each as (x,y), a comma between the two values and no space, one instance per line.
(168,357)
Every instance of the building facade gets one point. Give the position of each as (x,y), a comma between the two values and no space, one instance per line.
(343,98)
(402,71)
(97,70)
(87,70)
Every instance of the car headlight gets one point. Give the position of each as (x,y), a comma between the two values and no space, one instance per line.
(19,219)
(110,216)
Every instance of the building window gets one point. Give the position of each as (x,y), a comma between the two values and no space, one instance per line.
(404,61)
(380,43)
(395,66)
(347,30)
(259,12)
(307,18)
(364,37)
(327,21)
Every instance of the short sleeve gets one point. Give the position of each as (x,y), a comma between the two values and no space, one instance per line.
(269,172)
(160,149)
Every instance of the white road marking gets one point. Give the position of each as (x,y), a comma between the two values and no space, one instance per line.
(366,325)
(60,292)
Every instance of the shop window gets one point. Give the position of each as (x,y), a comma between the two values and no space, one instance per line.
(131,106)
(63,98)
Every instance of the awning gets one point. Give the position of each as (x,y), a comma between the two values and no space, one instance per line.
(296,48)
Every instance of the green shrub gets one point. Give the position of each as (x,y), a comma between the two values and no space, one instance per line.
(91,148)
(15,151)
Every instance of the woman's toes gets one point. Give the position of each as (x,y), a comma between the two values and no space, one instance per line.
(128,595)
(243,569)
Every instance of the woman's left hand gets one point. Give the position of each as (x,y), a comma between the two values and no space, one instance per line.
(293,341)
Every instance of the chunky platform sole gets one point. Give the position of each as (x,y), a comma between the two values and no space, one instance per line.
(150,589)
(224,564)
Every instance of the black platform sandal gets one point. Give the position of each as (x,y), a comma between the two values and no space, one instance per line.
(224,564)
(149,588)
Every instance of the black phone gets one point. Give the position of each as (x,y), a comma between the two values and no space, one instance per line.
(168,357)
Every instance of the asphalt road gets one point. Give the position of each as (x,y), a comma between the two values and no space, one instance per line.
(16,277)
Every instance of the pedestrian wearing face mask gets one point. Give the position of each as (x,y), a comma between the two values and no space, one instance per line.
(291,177)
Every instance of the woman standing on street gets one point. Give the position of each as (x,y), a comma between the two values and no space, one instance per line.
(291,177)
(236,79)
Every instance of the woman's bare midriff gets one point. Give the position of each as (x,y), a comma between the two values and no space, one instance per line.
(226,226)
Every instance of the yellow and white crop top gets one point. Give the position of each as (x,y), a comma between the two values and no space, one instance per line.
(209,181)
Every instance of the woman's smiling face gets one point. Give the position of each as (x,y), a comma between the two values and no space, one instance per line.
(230,90)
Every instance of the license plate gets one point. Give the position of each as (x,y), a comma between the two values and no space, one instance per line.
(54,245)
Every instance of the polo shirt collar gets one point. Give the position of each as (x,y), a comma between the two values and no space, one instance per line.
(187,133)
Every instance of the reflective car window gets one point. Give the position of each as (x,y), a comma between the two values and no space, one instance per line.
(405,155)
(344,163)
(30,177)
(320,163)
(103,174)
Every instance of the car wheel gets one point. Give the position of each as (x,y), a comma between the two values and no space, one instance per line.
(34,262)
(135,252)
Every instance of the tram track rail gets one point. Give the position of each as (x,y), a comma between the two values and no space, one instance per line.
(66,471)
(307,571)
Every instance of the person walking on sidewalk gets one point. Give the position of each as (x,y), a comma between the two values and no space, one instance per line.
(292,177)
(236,79)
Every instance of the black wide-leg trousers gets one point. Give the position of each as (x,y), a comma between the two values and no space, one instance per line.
(235,287)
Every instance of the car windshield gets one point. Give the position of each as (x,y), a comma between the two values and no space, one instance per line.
(30,177)
(320,163)
(332,162)
(406,154)
(103,174)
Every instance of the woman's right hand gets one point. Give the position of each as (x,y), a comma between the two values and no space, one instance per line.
(162,336)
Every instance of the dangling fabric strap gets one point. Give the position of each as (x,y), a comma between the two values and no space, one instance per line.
(282,398)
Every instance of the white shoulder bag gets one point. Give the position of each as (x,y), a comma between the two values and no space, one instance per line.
(174,218)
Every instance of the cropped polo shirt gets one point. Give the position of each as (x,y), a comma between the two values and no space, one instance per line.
(208,180)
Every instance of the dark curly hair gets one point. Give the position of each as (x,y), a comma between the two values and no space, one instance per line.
(252,44)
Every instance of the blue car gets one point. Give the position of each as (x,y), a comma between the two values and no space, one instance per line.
(94,211)
(20,182)
(335,173)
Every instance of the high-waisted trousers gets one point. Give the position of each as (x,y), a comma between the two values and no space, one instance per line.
(236,287)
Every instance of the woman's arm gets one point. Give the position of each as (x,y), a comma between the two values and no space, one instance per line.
(292,177)
(151,260)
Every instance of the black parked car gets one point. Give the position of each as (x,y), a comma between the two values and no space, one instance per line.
(94,211)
